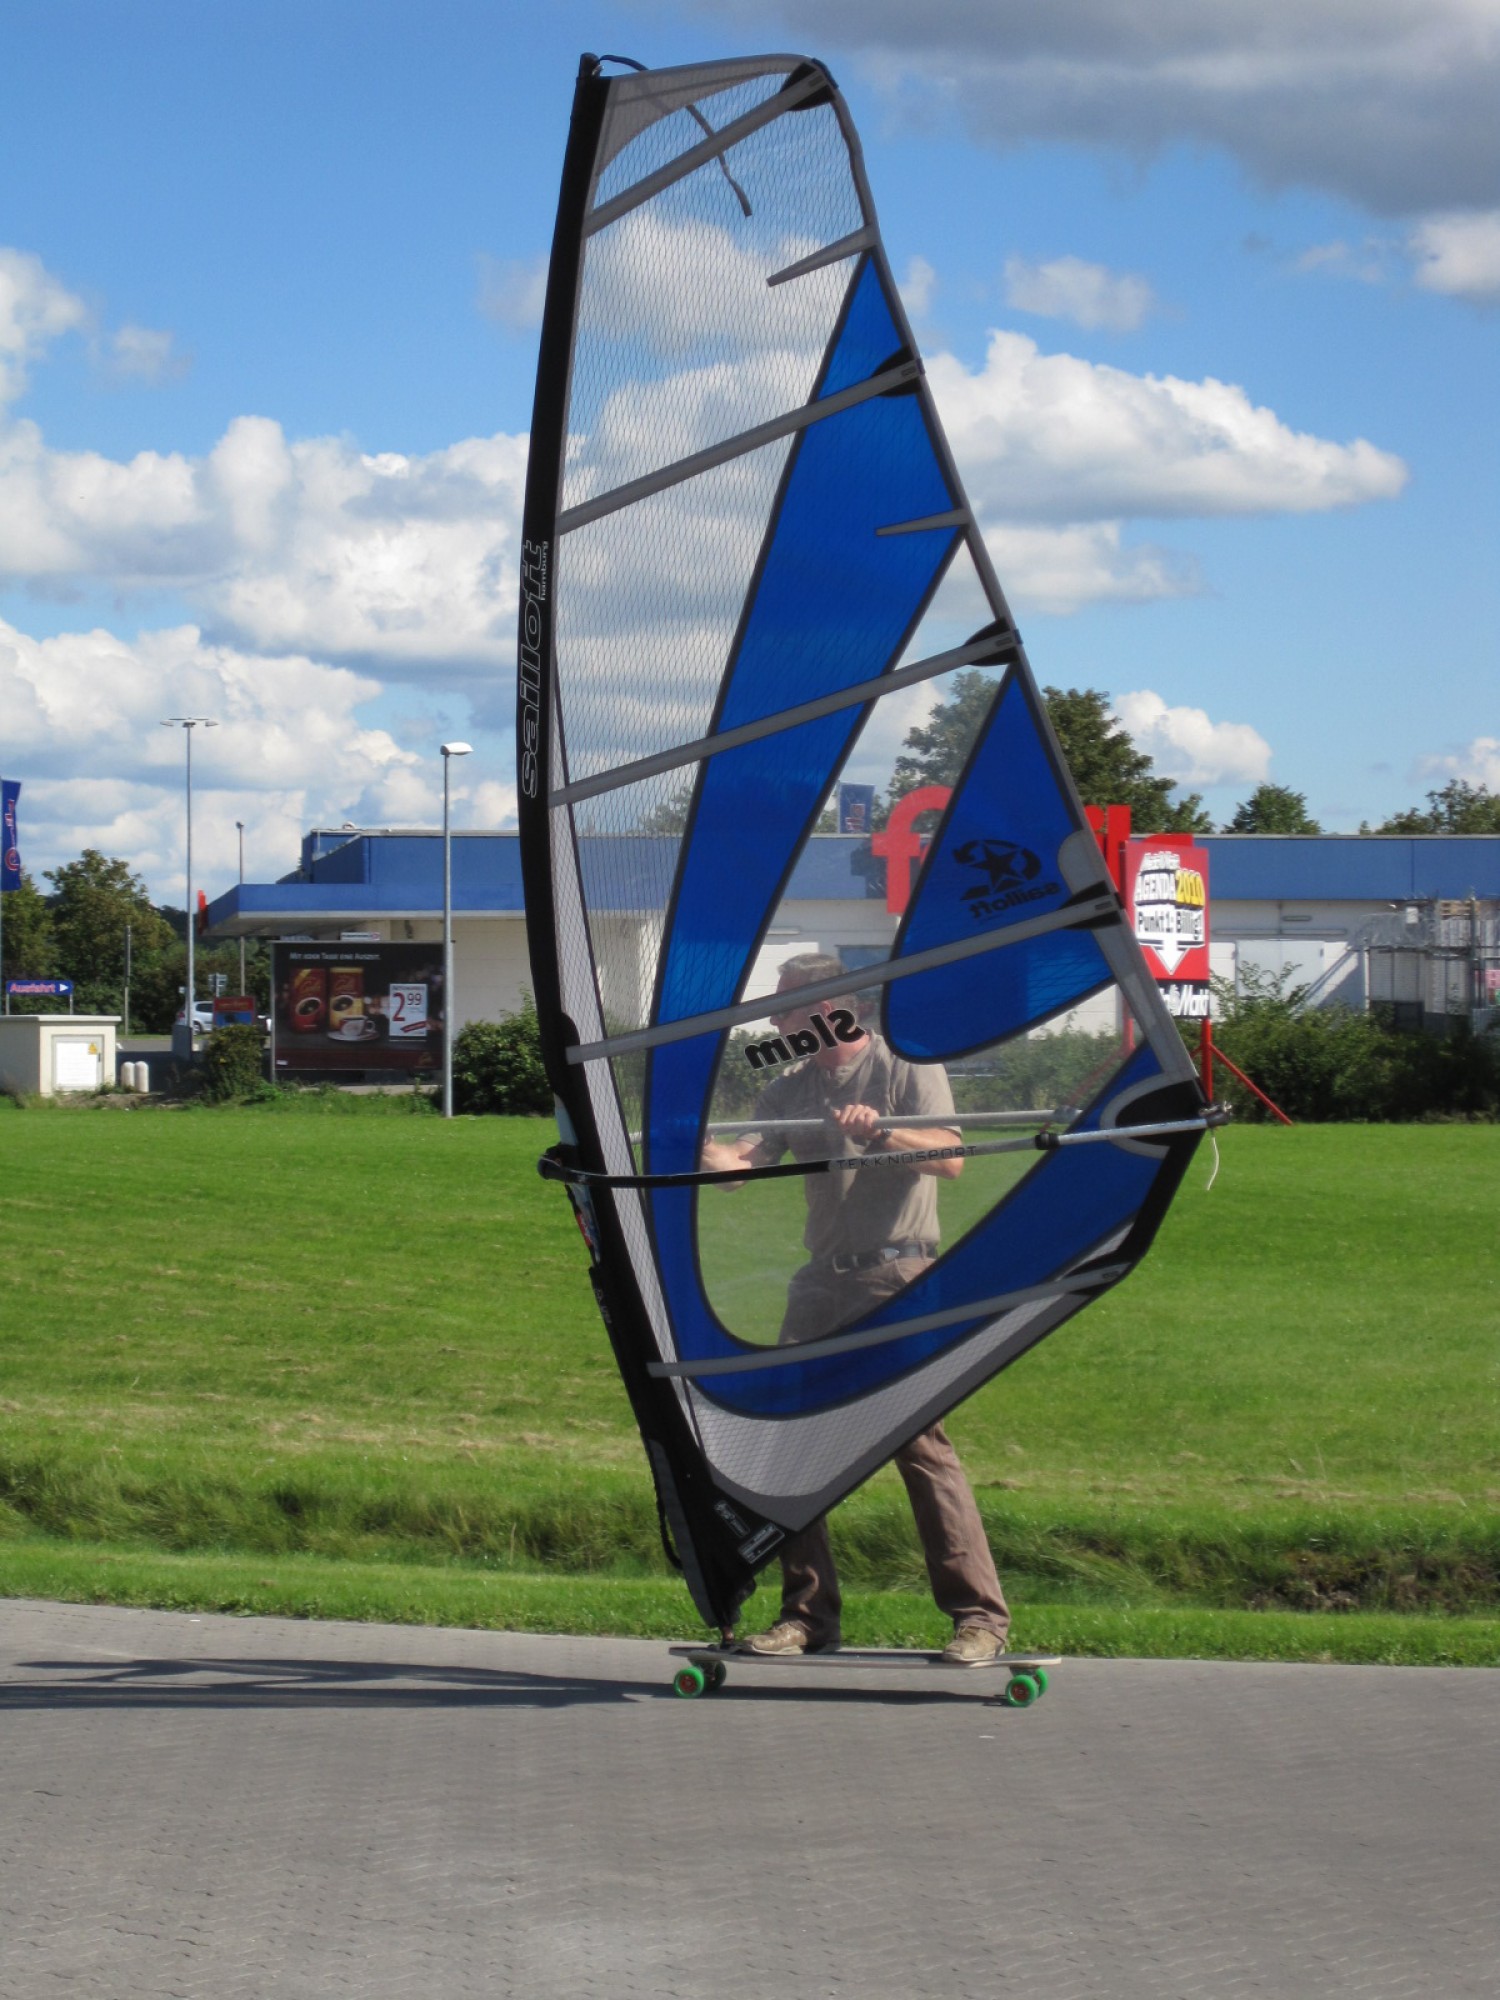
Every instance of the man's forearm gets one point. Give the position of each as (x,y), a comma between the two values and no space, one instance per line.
(924,1139)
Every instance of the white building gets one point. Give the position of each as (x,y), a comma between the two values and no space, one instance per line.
(1409,922)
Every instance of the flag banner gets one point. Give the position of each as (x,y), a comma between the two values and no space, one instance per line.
(856,808)
(10,877)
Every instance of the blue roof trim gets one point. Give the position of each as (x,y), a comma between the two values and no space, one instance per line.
(372,874)
(1351,867)
(403,871)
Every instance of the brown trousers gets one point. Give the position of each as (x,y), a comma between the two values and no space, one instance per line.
(960,1568)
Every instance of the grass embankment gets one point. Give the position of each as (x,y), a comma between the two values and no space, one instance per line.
(342,1360)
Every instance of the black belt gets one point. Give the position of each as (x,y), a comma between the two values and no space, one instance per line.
(888,1253)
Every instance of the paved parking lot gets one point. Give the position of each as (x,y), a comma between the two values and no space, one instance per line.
(247,1806)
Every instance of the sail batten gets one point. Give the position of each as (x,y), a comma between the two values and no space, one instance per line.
(708,150)
(832,253)
(770,432)
(1086,915)
(751,575)
(987,651)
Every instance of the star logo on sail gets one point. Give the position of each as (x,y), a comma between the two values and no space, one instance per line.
(1010,875)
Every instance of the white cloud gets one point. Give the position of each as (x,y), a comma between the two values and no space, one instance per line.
(512,290)
(491,804)
(314,548)
(145,354)
(1477,763)
(1060,570)
(917,287)
(35,308)
(1187,746)
(1367,262)
(309,546)
(1390,103)
(1459,254)
(644,282)
(83,713)
(1087,294)
(1048,436)
(407,560)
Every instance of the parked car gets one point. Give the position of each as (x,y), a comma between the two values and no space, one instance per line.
(203,1016)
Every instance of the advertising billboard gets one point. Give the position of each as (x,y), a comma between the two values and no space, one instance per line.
(1166,895)
(342,1007)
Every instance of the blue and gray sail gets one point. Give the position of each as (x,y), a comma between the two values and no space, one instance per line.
(749,569)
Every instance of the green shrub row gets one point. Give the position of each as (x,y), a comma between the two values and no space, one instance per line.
(1330,1065)
(605,1524)
(1321,1065)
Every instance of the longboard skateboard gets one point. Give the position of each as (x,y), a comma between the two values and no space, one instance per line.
(706,1668)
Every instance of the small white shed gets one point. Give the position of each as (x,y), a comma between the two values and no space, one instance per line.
(42,1054)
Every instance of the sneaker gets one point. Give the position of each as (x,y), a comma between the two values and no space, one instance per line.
(785,1640)
(972,1646)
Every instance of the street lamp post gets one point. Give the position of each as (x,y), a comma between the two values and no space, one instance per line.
(450,751)
(241,825)
(187,724)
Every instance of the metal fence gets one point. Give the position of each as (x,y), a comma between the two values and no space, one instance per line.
(1435,964)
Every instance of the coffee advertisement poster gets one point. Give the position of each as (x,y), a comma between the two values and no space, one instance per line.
(366,1007)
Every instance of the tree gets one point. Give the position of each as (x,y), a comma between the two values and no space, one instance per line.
(935,752)
(1273,809)
(27,926)
(1109,770)
(1457,807)
(1107,767)
(94,899)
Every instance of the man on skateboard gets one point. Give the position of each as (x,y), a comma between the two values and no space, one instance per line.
(868,1236)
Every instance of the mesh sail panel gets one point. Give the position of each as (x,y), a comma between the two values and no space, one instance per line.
(825,1200)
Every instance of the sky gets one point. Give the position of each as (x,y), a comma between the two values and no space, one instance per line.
(1208,298)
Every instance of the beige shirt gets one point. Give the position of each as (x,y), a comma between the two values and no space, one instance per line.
(852,1212)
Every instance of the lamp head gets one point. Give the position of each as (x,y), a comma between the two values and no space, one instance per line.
(457,749)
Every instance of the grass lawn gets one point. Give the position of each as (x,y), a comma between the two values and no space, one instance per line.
(345,1354)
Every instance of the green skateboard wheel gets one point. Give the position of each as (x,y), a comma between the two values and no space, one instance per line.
(718,1673)
(1021,1691)
(1039,1675)
(688,1681)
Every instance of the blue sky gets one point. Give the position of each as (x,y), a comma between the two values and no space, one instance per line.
(1209,301)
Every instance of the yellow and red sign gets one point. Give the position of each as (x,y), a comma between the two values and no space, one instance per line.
(1166,896)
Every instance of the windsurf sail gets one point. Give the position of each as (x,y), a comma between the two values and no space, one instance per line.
(749,571)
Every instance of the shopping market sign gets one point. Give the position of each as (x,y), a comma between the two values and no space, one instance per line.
(1166,895)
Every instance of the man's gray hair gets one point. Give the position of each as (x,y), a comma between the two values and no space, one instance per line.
(810,966)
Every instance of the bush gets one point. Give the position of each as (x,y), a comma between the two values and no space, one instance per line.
(1037,1072)
(497,1067)
(233,1064)
(1332,1065)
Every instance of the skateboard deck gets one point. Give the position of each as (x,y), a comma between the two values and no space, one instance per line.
(706,1668)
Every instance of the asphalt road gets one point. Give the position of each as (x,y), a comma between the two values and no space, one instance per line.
(248,1806)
